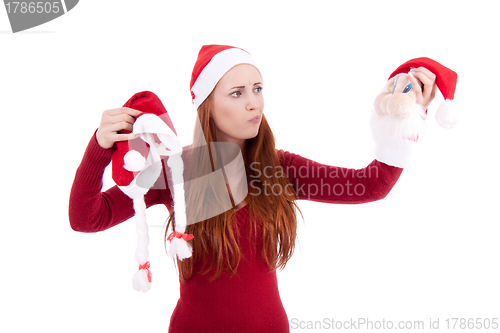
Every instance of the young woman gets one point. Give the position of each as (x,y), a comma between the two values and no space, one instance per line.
(229,284)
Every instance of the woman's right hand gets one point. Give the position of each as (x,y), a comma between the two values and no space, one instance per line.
(113,121)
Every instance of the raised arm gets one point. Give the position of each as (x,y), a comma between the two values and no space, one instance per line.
(91,210)
(331,184)
(395,138)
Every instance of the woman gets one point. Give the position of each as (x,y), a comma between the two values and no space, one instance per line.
(229,284)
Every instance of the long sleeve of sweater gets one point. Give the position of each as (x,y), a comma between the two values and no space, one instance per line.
(324,183)
(90,209)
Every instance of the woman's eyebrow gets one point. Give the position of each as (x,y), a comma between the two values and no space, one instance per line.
(243,87)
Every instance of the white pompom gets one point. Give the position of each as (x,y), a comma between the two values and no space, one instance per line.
(133,161)
(180,248)
(140,281)
(447,115)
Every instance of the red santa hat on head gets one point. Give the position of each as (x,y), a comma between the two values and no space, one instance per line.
(212,63)
(446,81)
(136,167)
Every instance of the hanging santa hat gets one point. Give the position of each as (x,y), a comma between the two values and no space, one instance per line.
(137,166)
(446,81)
(212,63)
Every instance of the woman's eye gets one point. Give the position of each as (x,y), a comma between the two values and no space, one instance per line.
(258,89)
(407,88)
(236,93)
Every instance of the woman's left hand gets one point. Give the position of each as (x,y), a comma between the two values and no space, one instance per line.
(424,94)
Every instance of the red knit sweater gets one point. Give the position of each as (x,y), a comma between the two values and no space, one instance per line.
(248,301)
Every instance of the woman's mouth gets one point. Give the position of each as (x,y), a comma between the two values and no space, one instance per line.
(255,120)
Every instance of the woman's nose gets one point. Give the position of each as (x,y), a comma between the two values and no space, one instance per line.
(252,102)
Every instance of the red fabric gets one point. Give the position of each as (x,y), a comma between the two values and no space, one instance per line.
(446,79)
(246,302)
(207,52)
(250,300)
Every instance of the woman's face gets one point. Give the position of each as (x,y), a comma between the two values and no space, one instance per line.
(238,104)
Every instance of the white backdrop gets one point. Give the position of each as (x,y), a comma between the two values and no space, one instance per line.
(428,251)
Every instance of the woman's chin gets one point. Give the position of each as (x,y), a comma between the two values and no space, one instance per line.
(254,134)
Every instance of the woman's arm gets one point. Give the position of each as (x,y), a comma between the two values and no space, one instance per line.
(324,183)
(91,210)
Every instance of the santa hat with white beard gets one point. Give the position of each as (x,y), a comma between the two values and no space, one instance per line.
(395,137)
(446,81)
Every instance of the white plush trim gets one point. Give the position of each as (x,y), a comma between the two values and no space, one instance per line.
(151,123)
(144,126)
(215,70)
(395,138)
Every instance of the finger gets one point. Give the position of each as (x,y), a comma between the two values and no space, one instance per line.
(124,110)
(426,76)
(121,126)
(426,80)
(415,85)
(433,91)
(124,137)
(123,117)
(429,85)
(424,71)
(132,112)
(113,112)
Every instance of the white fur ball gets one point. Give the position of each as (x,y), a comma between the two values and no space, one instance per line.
(133,161)
(447,114)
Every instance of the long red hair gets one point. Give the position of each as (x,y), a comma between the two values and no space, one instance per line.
(216,239)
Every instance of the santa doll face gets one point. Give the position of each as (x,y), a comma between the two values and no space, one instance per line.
(238,104)
(398,99)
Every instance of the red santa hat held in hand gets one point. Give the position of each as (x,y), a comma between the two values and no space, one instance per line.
(446,81)
(137,166)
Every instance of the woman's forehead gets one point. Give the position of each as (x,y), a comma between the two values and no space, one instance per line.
(241,75)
